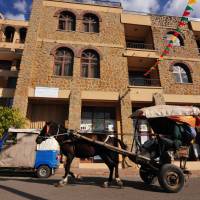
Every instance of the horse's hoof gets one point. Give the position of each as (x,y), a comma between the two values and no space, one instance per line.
(120,184)
(59,184)
(79,177)
(106,184)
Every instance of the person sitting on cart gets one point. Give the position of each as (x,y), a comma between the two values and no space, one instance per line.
(171,133)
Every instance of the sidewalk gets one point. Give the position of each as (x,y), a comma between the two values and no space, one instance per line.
(193,166)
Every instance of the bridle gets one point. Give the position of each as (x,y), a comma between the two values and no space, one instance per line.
(47,136)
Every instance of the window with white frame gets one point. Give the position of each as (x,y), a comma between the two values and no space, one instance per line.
(181,73)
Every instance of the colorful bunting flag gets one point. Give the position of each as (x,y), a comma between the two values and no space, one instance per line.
(170,45)
(166,48)
(179,30)
(192,2)
(184,20)
(176,34)
(186,13)
(189,8)
(181,24)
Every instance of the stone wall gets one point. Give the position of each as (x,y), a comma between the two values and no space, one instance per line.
(161,25)
(28,59)
(37,63)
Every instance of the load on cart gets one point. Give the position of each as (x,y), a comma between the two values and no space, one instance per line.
(18,151)
(153,155)
(172,129)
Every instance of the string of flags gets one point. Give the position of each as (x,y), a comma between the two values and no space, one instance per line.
(184,20)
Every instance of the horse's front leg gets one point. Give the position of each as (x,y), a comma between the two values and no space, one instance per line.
(110,165)
(118,180)
(64,180)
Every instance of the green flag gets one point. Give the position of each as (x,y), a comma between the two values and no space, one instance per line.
(185,19)
(167,48)
(189,8)
(179,30)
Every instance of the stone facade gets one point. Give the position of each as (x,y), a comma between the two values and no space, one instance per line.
(161,25)
(44,38)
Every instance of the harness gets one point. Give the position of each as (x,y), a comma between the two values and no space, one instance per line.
(71,140)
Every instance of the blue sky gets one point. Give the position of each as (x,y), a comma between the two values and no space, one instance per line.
(20,9)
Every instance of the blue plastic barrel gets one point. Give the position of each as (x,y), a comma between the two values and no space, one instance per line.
(47,157)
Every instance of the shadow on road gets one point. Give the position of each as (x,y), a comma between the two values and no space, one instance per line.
(16,173)
(20,193)
(91,181)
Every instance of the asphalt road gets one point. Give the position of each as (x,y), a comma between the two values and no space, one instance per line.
(23,186)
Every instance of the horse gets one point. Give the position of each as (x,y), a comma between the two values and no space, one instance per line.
(72,147)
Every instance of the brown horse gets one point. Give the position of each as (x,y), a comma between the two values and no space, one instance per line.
(73,147)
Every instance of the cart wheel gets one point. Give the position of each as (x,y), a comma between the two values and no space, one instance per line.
(171,178)
(43,171)
(147,176)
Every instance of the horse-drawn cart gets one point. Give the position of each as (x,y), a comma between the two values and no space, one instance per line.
(170,177)
(156,163)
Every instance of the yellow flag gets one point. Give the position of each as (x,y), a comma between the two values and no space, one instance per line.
(173,38)
(192,1)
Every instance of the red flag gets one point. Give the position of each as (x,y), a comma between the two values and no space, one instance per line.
(176,34)
(165,52)
(186,13)
(181,23)
(170,45)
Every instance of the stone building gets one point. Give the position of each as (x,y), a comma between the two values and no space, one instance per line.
(83,65)
(12,39)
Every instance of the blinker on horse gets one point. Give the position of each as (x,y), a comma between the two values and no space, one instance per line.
(73,147)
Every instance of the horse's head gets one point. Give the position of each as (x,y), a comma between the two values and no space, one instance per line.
(50,129)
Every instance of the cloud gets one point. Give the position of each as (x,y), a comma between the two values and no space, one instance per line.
(20,6)
(176,8)
(15,17)
(146,6)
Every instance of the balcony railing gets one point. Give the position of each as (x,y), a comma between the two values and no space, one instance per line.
(10,40)
(134,45)
(97,2)
(144,82)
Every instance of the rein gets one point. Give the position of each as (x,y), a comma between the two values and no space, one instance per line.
(56,135)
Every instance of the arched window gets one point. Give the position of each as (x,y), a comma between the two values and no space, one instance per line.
(64,61)
(182,73)
(67,21)
(91,23)
(9,33)
(90,64)
(179,40)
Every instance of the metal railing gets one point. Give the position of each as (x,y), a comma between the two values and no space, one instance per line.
(10,40)
(20,41)
(133,81)
(97,2)
(134,45)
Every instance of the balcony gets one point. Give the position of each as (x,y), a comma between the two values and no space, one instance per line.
(7,92)
(133,45)
(134,81)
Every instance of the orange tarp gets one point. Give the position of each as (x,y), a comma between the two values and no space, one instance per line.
(186,119)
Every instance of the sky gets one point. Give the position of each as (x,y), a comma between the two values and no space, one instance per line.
(20,9)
